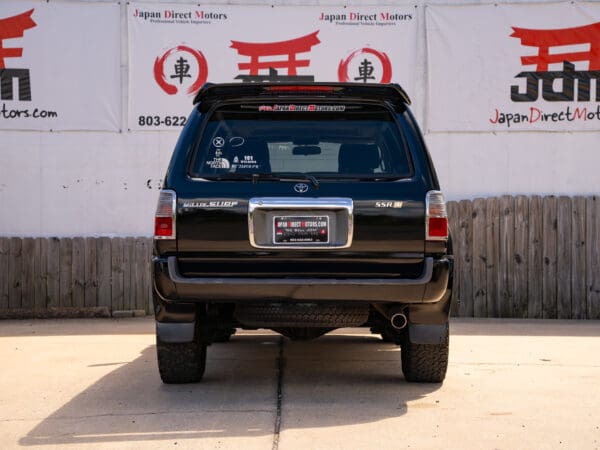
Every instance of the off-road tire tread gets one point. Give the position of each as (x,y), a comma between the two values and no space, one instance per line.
(300,315)
(425,363)
(181,362)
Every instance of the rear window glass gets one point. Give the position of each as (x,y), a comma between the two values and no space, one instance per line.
(328,141)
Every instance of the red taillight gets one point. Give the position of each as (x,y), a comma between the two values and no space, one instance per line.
(436,217)
(285,88)
(164,219)
(163,226)
(438,227)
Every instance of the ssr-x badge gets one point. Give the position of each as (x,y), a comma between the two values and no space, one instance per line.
(301,188)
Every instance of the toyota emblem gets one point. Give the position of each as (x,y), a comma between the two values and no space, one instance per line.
(301,188)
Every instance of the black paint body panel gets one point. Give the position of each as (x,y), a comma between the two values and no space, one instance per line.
(388,243)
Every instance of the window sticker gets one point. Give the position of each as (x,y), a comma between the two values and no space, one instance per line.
(302,108)
(218,163)
(246,162)
(237,141)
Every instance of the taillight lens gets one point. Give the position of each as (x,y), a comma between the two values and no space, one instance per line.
(164,219)
(436,217)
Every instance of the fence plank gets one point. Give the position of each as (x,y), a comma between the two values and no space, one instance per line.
(39,273)
(479,259)
(563,258)
(520,267)
(453,224)
(146,301)
(465,255)
(136,272)
(90,294)
(27,280)
(549,209)
(53,273)
(116,245)
(139,299)
(506,250)
(492,240)
(78,272)
(593,256)
(578,252)
(535,259)
(104,268)
(15,272)
(65,272)
(128,260)
(4,259)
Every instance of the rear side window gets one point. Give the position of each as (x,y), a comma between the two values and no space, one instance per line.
(329,141)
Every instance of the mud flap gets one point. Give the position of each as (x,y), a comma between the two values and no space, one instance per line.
(175,332)
(427,333)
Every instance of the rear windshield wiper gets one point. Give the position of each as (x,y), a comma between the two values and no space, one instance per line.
(369,177)
(283,177)
(256,177)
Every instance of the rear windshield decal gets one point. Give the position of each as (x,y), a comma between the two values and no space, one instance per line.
(236,141)
(218,163)
(303,108)
(245,162)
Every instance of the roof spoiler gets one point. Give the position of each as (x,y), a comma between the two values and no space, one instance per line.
(210,92)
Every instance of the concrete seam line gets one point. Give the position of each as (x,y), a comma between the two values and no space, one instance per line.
(280,368)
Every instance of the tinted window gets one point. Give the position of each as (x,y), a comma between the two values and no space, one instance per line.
(358,141)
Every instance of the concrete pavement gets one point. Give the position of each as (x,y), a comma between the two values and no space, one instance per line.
(94,384)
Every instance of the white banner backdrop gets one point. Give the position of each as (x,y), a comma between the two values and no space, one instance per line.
(175,48)
(59,66)
(514,67)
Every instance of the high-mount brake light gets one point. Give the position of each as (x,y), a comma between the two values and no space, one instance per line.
(436,217)
(164,219)
(301,88)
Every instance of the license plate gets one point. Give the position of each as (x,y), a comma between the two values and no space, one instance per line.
(300,229)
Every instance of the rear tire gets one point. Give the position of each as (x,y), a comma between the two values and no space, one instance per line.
(302,315)
(181,362)
(425,363)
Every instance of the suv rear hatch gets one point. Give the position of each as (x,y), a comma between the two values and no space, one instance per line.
(302,186)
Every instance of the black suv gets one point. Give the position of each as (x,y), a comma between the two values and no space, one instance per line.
(301,208)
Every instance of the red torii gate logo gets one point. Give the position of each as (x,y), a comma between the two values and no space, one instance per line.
(545,40)
(11,28)
(288,50)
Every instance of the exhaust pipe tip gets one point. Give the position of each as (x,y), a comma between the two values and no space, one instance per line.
(398,321)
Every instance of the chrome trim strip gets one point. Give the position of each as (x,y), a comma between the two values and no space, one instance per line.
(318,203)
(424,278)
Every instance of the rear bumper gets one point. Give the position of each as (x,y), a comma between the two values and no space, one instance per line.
(429,287)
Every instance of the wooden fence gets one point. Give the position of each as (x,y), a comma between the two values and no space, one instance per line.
(74,276)
(529,257)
